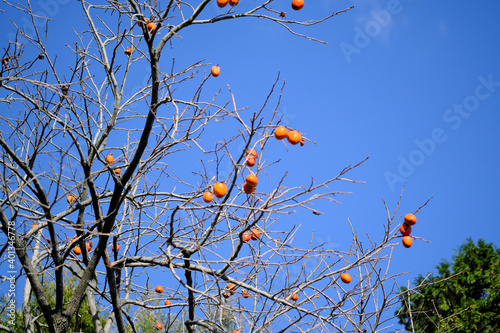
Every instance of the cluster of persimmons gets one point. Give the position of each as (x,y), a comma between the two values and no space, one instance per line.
(405,229)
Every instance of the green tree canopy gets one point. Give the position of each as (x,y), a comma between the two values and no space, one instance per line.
(463,297)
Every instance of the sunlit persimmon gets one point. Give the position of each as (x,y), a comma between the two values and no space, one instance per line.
(407,241)
(345,277)
(71,199)
(294,137)
(233,2)
(220,189)
(254,233)
(128,51)
(159,326)
(208,196)
(151,27)
(252,153)
(295,297)
(245,293)
(109,158)
(117,171)
(221,3)
(77,250)
(89,246)
(297,4)
(236,331)
(246,236)
(410,219)
(405,229)
(250,161)
(159,289)
(231,287)
(248,188)
(168,302)
(280,132)
(252,180)
(34,226)
(215,71)
(117,247)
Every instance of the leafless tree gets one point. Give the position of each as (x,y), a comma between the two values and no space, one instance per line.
(171,142)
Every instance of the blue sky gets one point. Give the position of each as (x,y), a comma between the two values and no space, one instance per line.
(401,87)
(395,98)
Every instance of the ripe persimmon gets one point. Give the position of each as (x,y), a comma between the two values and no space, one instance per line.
(208,196)
(294,137)
(250,161)
(252,180)
(345,277)
(71,199)
(159,289)
(128,51)
(168,302)
(109,158)
(254,233)
(248,188)
(236,331)
(89,246)
(405,229)
(220,189)
(251,153)
(407,241)
(151,27)
(159,326)
(117,247)
(246,236)
(280,132)
(221,3)
(233,2)
(231,287)
(117,171)
(245,293)
(297,4)
(77,250)
(295,297)
(410,219)
(215,70)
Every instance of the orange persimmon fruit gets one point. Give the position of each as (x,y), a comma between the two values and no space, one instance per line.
(405,229)
(294,137)
(215,70)
(77,250)
(109,158)
(410,219)
(71,199)
(220,189)
(208,196)
(297,4)
(407,241)
(221,3)
(280,132)
(254,233)
(345,277)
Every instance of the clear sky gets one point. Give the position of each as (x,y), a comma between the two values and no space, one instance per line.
(413,84)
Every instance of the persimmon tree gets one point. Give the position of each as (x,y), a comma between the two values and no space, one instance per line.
(119,227)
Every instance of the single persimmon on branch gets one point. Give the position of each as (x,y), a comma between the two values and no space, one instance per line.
(139,206)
